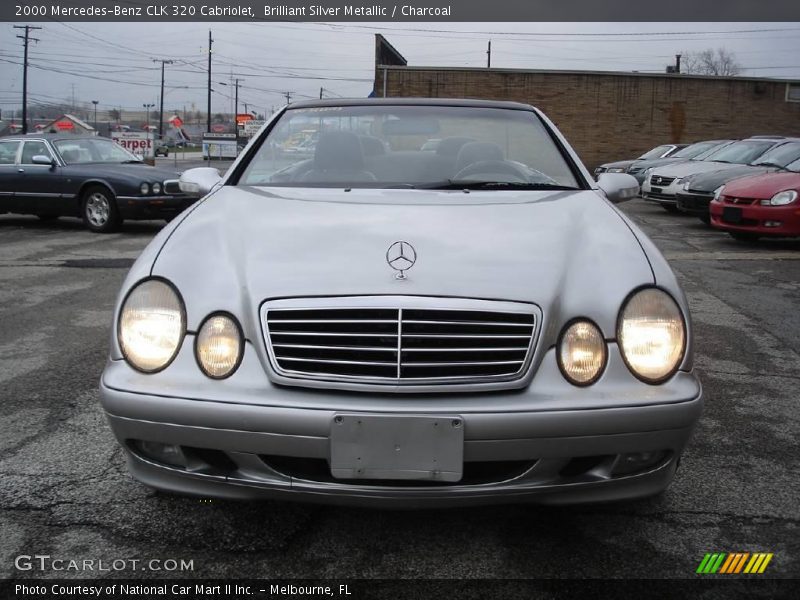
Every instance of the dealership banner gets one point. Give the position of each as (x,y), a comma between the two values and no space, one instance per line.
(389,11)
(139,143)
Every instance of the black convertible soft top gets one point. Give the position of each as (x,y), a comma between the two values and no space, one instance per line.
(411,102)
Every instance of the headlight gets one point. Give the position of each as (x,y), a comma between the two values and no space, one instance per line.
(156,188)
(616,170)
(718,192)
(582,353)
(651,335)
(152,324)
(648,170)
(144,189)
(781,198)
(218,346)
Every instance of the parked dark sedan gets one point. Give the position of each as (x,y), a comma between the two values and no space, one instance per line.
(51,175)
(622,165)
(700,189)
(640,168)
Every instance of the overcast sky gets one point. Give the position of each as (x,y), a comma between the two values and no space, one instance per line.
(112,62)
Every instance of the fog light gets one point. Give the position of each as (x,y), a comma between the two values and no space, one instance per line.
(637,461)
(773,223)
(162,453)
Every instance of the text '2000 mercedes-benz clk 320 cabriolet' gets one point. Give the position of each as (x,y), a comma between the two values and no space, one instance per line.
(365,321)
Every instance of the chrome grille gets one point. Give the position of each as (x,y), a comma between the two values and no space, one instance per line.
(402,345)
(661,181)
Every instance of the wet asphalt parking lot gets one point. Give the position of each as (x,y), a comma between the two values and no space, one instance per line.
(65,491)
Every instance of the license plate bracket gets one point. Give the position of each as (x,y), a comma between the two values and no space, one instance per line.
(732,214)
(397,447)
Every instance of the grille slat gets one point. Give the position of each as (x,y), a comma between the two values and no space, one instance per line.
(400,345)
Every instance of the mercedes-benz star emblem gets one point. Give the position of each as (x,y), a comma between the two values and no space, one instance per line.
(401,256)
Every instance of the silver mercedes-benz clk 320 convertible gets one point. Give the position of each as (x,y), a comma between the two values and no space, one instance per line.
(403,303)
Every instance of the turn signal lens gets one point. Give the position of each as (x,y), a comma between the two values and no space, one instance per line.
(219,346)
(152,323)
(652,335)
(582,353)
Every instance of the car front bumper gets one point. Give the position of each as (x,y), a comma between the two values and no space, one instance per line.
(258,440)
(784,221)
(153,207)
(694,203)
(662,195)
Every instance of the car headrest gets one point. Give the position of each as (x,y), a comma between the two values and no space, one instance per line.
(71,155)
(477,152)
(450,146)
(371,145)
(338,150)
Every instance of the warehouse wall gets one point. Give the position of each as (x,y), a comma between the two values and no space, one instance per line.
(610,116)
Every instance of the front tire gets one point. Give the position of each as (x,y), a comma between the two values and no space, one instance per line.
(670,208)
(99,210)
(705,219)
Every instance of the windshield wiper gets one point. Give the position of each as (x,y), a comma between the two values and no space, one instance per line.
(454,184)
(770,164)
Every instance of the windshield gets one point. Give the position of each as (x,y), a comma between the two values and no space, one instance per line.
(408,146)
(695,150)
(80,151)
(657,152)
(779,156)
(741,153)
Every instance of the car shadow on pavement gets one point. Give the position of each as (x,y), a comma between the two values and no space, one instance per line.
(33,223)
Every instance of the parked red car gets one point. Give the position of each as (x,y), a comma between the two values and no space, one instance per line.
(760,206)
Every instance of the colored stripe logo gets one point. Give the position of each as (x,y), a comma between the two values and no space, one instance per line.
(734,563)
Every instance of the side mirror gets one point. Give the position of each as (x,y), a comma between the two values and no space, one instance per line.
(618,187)
(41,159)
(199,181)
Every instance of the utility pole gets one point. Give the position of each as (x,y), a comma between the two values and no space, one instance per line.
(161,101)
(288,97)
(95,102)
(489,56)
(320,93)
(26,38)
(236,98)
(208,116)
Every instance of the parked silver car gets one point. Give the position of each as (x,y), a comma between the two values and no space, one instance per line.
(382,325)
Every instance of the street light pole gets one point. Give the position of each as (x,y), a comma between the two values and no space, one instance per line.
(95,102)
(147,107)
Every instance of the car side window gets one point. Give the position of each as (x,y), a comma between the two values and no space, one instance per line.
(31,149)
(8,152)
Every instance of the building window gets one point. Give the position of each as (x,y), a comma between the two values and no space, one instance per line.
(793,92)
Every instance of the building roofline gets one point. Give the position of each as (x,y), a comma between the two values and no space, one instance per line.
(579,72)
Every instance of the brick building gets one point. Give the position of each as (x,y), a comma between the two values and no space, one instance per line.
(611,115)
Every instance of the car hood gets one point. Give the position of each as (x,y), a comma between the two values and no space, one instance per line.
(656,162)
(763,186)
(685,169)
(620,164)
(140,172)
(708,182)
(570,252)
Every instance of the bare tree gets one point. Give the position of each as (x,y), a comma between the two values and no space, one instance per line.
(719,62)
